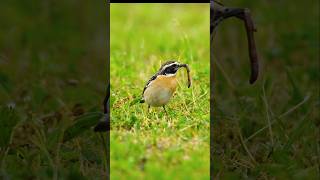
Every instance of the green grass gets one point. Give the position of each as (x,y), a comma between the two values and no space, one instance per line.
(52,83)
(156,145)
(271,129)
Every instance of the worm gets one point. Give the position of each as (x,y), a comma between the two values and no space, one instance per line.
(188,72)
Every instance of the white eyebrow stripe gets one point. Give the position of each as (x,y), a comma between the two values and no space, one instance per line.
(169,75)
(164,67)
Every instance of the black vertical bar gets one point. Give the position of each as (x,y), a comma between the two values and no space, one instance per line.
(211,91)
(108,88)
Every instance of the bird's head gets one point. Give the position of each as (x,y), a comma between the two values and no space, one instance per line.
(170,68)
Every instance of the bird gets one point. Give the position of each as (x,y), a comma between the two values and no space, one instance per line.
(161,86)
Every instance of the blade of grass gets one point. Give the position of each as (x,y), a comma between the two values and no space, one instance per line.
(246,148)
(297,132)
(225,75)
(280,116)
(267,113)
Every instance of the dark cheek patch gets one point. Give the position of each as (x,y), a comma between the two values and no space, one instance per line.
(171,70)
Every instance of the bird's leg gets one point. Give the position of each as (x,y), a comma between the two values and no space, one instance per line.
(148,108)
(165,109)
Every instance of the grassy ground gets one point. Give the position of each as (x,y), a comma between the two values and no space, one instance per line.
(155,145)
(270,129)
(52,77)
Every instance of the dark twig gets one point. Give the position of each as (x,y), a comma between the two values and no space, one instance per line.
(219,13)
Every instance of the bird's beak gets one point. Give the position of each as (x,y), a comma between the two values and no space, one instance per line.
(188,71)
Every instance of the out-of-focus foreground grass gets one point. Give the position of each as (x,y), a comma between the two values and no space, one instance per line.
(156,145)
(269,129)
(52,76)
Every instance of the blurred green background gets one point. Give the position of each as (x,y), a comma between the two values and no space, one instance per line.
(53,63)
(269,129)
(156,145)
(53,74)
